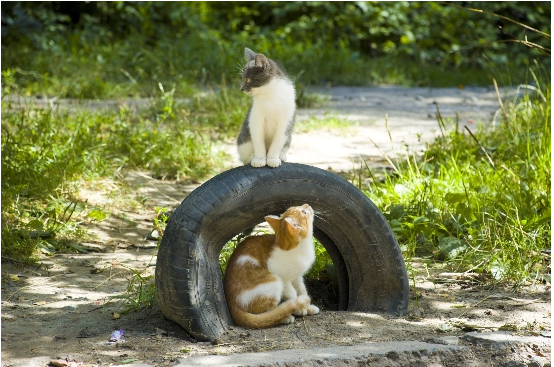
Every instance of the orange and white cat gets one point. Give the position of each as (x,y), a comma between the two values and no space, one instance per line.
(264,270)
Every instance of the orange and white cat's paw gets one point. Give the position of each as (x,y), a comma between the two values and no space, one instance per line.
(288,320)
(303,303)
(300,312)
(313,310)
(273,161)
(258,162)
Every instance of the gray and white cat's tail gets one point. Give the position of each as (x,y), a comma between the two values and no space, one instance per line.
(282,314)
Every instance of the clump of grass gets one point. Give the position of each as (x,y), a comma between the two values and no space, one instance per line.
(141,290)
(48,153)
(328,122)
(479,201)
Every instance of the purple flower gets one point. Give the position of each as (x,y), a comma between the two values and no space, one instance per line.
(116,335)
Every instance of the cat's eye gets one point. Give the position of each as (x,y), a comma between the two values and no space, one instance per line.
(247,81)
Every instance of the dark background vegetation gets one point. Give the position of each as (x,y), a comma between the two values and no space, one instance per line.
(129,47)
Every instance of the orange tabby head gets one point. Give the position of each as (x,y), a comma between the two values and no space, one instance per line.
(293,225)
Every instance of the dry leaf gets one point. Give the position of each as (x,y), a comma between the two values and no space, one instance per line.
(14,278)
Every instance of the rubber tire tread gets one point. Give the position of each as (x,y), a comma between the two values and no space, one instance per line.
(369,264)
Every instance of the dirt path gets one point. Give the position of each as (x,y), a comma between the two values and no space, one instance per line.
(386,121)
(63,310)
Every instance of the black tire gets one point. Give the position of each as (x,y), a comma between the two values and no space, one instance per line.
(368,261)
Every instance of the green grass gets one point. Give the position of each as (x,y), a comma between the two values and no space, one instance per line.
(478,202)
(48,154)
(328,123)
(79,64)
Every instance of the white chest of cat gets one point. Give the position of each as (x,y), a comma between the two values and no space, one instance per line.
(292,264)
(273,108)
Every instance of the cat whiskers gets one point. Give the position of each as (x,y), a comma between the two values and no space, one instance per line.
(240,68)
(316,215)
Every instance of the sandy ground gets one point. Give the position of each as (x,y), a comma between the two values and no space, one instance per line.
(63,311)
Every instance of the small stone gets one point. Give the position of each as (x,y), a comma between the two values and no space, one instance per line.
(514,364)
(498,340)
(217,341)
(160,332)
(448,340)
(153,236)
(58,363)
(393,356)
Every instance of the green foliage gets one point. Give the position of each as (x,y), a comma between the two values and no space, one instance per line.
(322,264)
(480,201)
(109,49)
(47,153)
(328,122)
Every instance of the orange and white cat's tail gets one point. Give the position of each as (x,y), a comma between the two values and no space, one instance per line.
(282,314)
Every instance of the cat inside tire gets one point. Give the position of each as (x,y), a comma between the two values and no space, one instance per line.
(370,268)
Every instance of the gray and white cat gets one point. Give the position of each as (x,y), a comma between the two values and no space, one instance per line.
(266,133)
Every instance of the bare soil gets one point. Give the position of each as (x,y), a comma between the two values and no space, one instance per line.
(62,312)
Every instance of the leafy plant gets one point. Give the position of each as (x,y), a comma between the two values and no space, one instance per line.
(480,201)
(47,154)
(107,50)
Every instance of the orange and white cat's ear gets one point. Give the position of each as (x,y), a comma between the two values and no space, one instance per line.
(292,226)
(274,221)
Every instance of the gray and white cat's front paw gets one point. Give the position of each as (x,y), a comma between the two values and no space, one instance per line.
(258,162)
(273,161)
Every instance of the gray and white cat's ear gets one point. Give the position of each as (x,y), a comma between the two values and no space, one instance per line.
(260,61)
(274,221)
(249,54)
